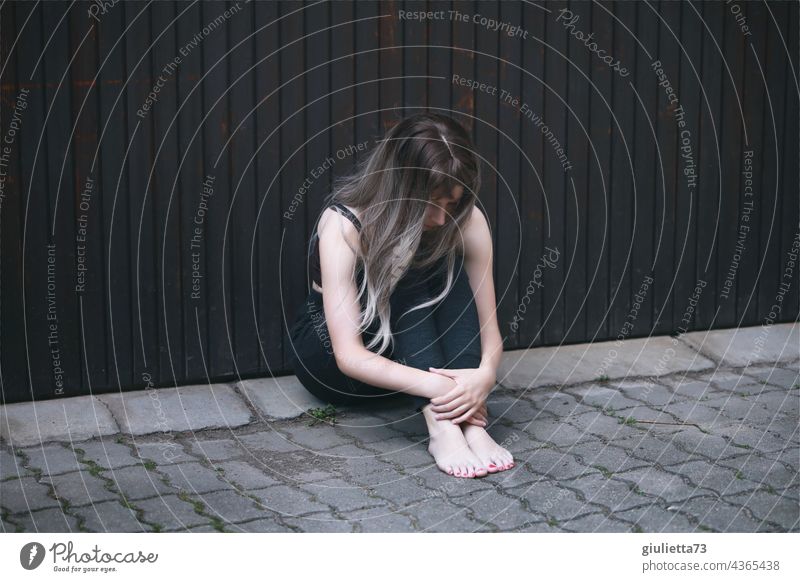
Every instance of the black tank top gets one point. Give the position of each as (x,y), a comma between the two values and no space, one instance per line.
(316,272)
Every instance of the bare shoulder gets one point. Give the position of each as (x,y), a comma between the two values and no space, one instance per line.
(335,227)
(477,236)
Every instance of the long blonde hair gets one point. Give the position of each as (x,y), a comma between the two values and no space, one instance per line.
(390,189)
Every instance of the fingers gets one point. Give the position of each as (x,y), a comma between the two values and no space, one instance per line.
(454,413)
(449,407)
(465,416)
(444,398)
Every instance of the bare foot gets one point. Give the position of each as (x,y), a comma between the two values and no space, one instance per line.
(450,449)
(494,457)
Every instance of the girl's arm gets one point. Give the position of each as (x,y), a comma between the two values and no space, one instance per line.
(478,261)
(337,237)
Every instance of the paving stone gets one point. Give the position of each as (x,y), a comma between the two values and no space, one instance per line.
(656,519)
(748,345)
(483,489)
(557,404)
(343,496)
(749,436)
(647,392)
(416,456)
(72,419)
(785,427)
(724,379)
(792,492)
(269,440)
(603,426)
(573,364)
(178,409)
(396,444)
(761,470)
(49,459)
(781,401)
(216,449)
(368,435)
(11,467)
(608,492)
(518,409)
(231,507)
(80,487)
(171,512)
(557,433)
(371,473)
(164,452)
(599,454)
(719,515)
(108,454)
(288,501)
(300,467)
(524,439)
(390,523)
(203,529)
(690,388)
(556,465)
(766,506)
(403,492)
(318,437)
(278,398)
(648,419)
(139,483)
(537,527)
(695,442)
(717,479)
(692,412)
(549,499)
(653,450)
(789,456)
(110,516)
(744,387)
(440,515)
(747,410)
(8,526)
(596,522)
(656,482)
(25,495)
(603,396)
(784,377)
(246,475)
(264,525)
(52,520)
(195,478)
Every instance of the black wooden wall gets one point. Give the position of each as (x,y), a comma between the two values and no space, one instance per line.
(165,245)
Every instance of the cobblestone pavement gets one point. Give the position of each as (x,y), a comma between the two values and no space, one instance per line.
(704,451)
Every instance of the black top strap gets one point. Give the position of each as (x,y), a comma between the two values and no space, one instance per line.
(348,214)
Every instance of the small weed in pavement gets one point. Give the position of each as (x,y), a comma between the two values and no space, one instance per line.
(327,414)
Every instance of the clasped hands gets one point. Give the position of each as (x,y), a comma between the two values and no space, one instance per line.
(466,402)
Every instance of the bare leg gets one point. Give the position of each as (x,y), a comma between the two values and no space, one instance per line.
(449,448)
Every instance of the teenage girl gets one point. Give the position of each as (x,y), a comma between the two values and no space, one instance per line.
(402,297)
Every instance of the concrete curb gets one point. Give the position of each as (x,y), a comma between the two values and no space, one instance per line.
(191,408)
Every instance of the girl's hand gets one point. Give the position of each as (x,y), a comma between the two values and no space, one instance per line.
(472,387)
(480,418)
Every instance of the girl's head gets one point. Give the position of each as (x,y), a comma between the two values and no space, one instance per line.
(414,193)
